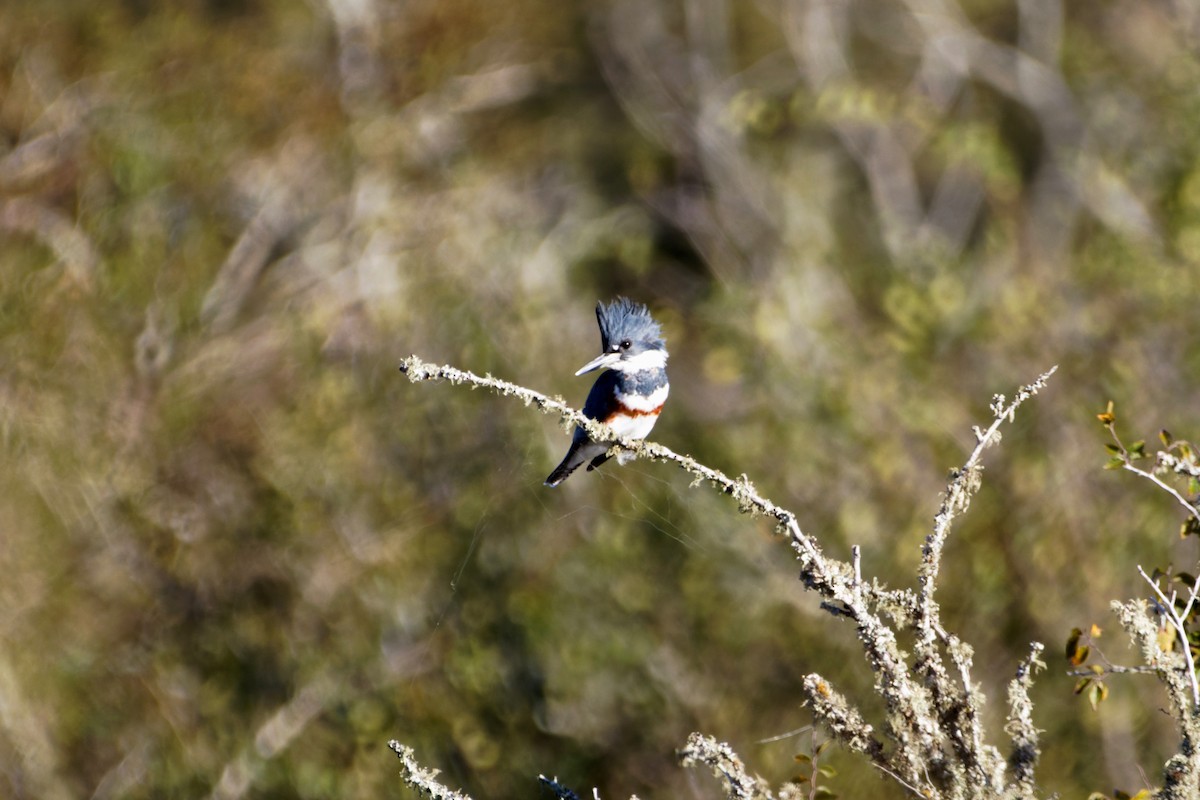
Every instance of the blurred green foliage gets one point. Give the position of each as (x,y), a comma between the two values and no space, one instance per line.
(240,552)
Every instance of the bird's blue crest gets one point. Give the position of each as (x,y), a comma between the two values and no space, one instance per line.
(625,319)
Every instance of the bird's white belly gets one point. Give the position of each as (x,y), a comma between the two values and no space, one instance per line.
(638,427)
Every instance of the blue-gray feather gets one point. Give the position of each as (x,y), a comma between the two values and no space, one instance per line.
(582,450)
(643,382)
(624,319)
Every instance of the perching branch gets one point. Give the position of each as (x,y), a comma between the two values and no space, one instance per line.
(937,746)
(741,490)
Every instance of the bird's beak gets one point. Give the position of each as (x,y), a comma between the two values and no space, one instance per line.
(601,361)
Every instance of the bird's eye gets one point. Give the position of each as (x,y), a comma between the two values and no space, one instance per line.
(626,344)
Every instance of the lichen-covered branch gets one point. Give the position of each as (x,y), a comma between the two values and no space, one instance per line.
(932,718)
(1020,727)
(958,706)
(740,489)
(963,484)
(1180,466)
(726,765)
(915,726)
(422,779)
(1181,775)
(843,720)
(1176,619)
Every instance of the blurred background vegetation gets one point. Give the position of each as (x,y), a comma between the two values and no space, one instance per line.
(241,552)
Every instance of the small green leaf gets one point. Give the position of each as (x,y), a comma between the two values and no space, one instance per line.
(1098,796)
(1082,684)
(824,794)
(1113,448)
(1116,462)
(803,758)
(1097,694)
(822,747)
(827,771)
(1138,449)
(1193,486)
(1164,436)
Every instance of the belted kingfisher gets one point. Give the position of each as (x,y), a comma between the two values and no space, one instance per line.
(630,394)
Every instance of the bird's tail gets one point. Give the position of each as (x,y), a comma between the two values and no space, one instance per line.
(580,453)
(563,470)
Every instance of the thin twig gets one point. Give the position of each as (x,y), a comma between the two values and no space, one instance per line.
(965,482)
(1112,669)
(898,779)
(1150,476)
(1187,608)
(779,737)
(1171,614)
(1164,458)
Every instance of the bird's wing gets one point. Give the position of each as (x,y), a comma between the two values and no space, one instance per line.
(602,399)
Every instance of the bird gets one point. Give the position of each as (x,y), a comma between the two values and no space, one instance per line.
(629,394)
